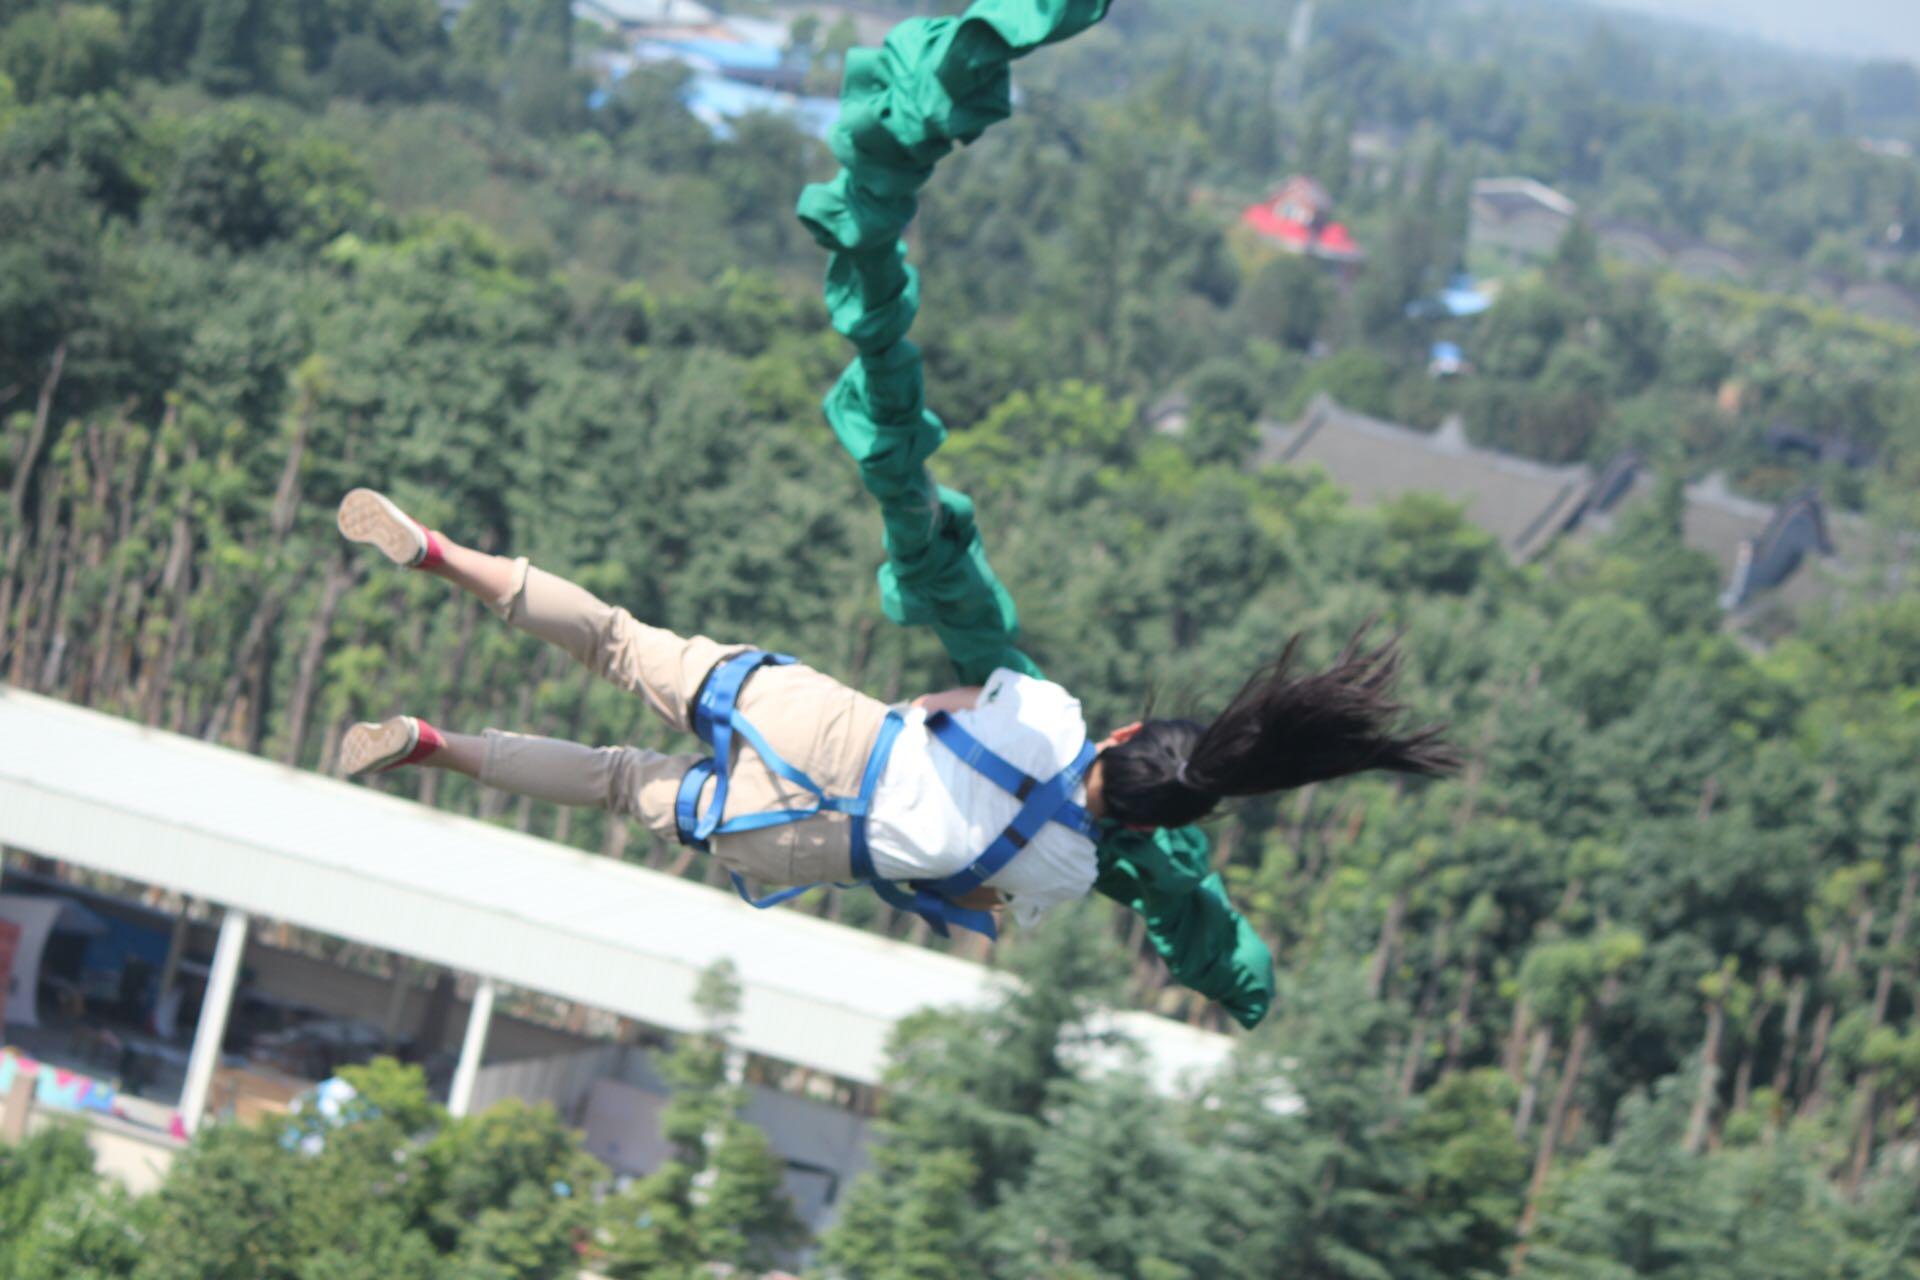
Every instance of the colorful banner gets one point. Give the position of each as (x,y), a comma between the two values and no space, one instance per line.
(56,1086)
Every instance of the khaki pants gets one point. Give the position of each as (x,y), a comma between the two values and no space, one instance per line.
(817,724)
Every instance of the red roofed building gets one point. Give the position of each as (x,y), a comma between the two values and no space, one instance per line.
(1298,217)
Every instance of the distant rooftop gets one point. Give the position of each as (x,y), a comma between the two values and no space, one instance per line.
(642,13)
(1523,503)
(1298,216)
(1512,195)
(1786,552)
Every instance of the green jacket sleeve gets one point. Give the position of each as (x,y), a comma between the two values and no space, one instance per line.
(936,82)
(1208,946)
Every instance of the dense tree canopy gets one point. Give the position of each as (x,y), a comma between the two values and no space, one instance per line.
(1635,993)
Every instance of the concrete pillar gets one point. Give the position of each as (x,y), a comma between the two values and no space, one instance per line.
(460,1096)
(213,1017)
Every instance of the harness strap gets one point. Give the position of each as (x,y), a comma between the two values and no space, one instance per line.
(717,718)
(869,784)
(998,770)
(1040,808)
(937,911)
(714,721)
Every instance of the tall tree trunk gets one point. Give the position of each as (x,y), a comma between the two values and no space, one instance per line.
(1696,1139)
(286,494)
(100,445)
(220,715)
(1896,939)
(1389,943)
(457,676)
(37,659)
(1790,1039)
(1750,1049)
(179,641)
(1813,1076)
(1530,1087)
(1845,956)
(1863,1139)
(300,706)
(114,675)
(1462,1010)
(175,579)
(272,585)
(1882,995)
(39,578)
(1513,1057)
(1302,817)
(189,694)
(257,699)
(59,610)
(1562,1098)
(24,468)
(108,647)
(1743,1079)
(1423,1014)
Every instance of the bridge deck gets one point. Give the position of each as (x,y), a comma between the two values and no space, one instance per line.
(101,792)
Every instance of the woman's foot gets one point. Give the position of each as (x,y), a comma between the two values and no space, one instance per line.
(393,742)
(372,518)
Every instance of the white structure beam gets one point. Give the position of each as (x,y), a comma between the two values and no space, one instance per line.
(472,1048)
(214,1008)
(346,860)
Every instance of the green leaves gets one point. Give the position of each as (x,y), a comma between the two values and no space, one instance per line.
(722,1198)
(240,181)
(63,51)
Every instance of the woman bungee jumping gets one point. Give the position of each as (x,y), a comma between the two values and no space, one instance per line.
(949,806)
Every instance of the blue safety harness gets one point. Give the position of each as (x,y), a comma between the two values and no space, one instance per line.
(717,718)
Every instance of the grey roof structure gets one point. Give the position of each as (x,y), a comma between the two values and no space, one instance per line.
(1524,504)
(1519,216)
(1785,553)
(1780,552)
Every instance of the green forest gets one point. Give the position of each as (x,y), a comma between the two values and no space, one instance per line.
(1634,996)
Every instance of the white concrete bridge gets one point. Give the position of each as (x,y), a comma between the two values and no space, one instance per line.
(262,839)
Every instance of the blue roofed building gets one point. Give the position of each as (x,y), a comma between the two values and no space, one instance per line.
(739,65)
(718,100)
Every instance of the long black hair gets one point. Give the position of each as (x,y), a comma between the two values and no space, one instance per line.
(1283,729)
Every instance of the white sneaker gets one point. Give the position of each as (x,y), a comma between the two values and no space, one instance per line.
(369,747)
(370,517)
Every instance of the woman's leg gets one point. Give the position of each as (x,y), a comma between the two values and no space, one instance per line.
(459,753)
(664,668)
(625,780)
(491,578)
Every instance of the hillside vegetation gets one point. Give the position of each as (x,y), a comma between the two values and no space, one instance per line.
(1636,993)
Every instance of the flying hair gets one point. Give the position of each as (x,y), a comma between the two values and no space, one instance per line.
(1283,729)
